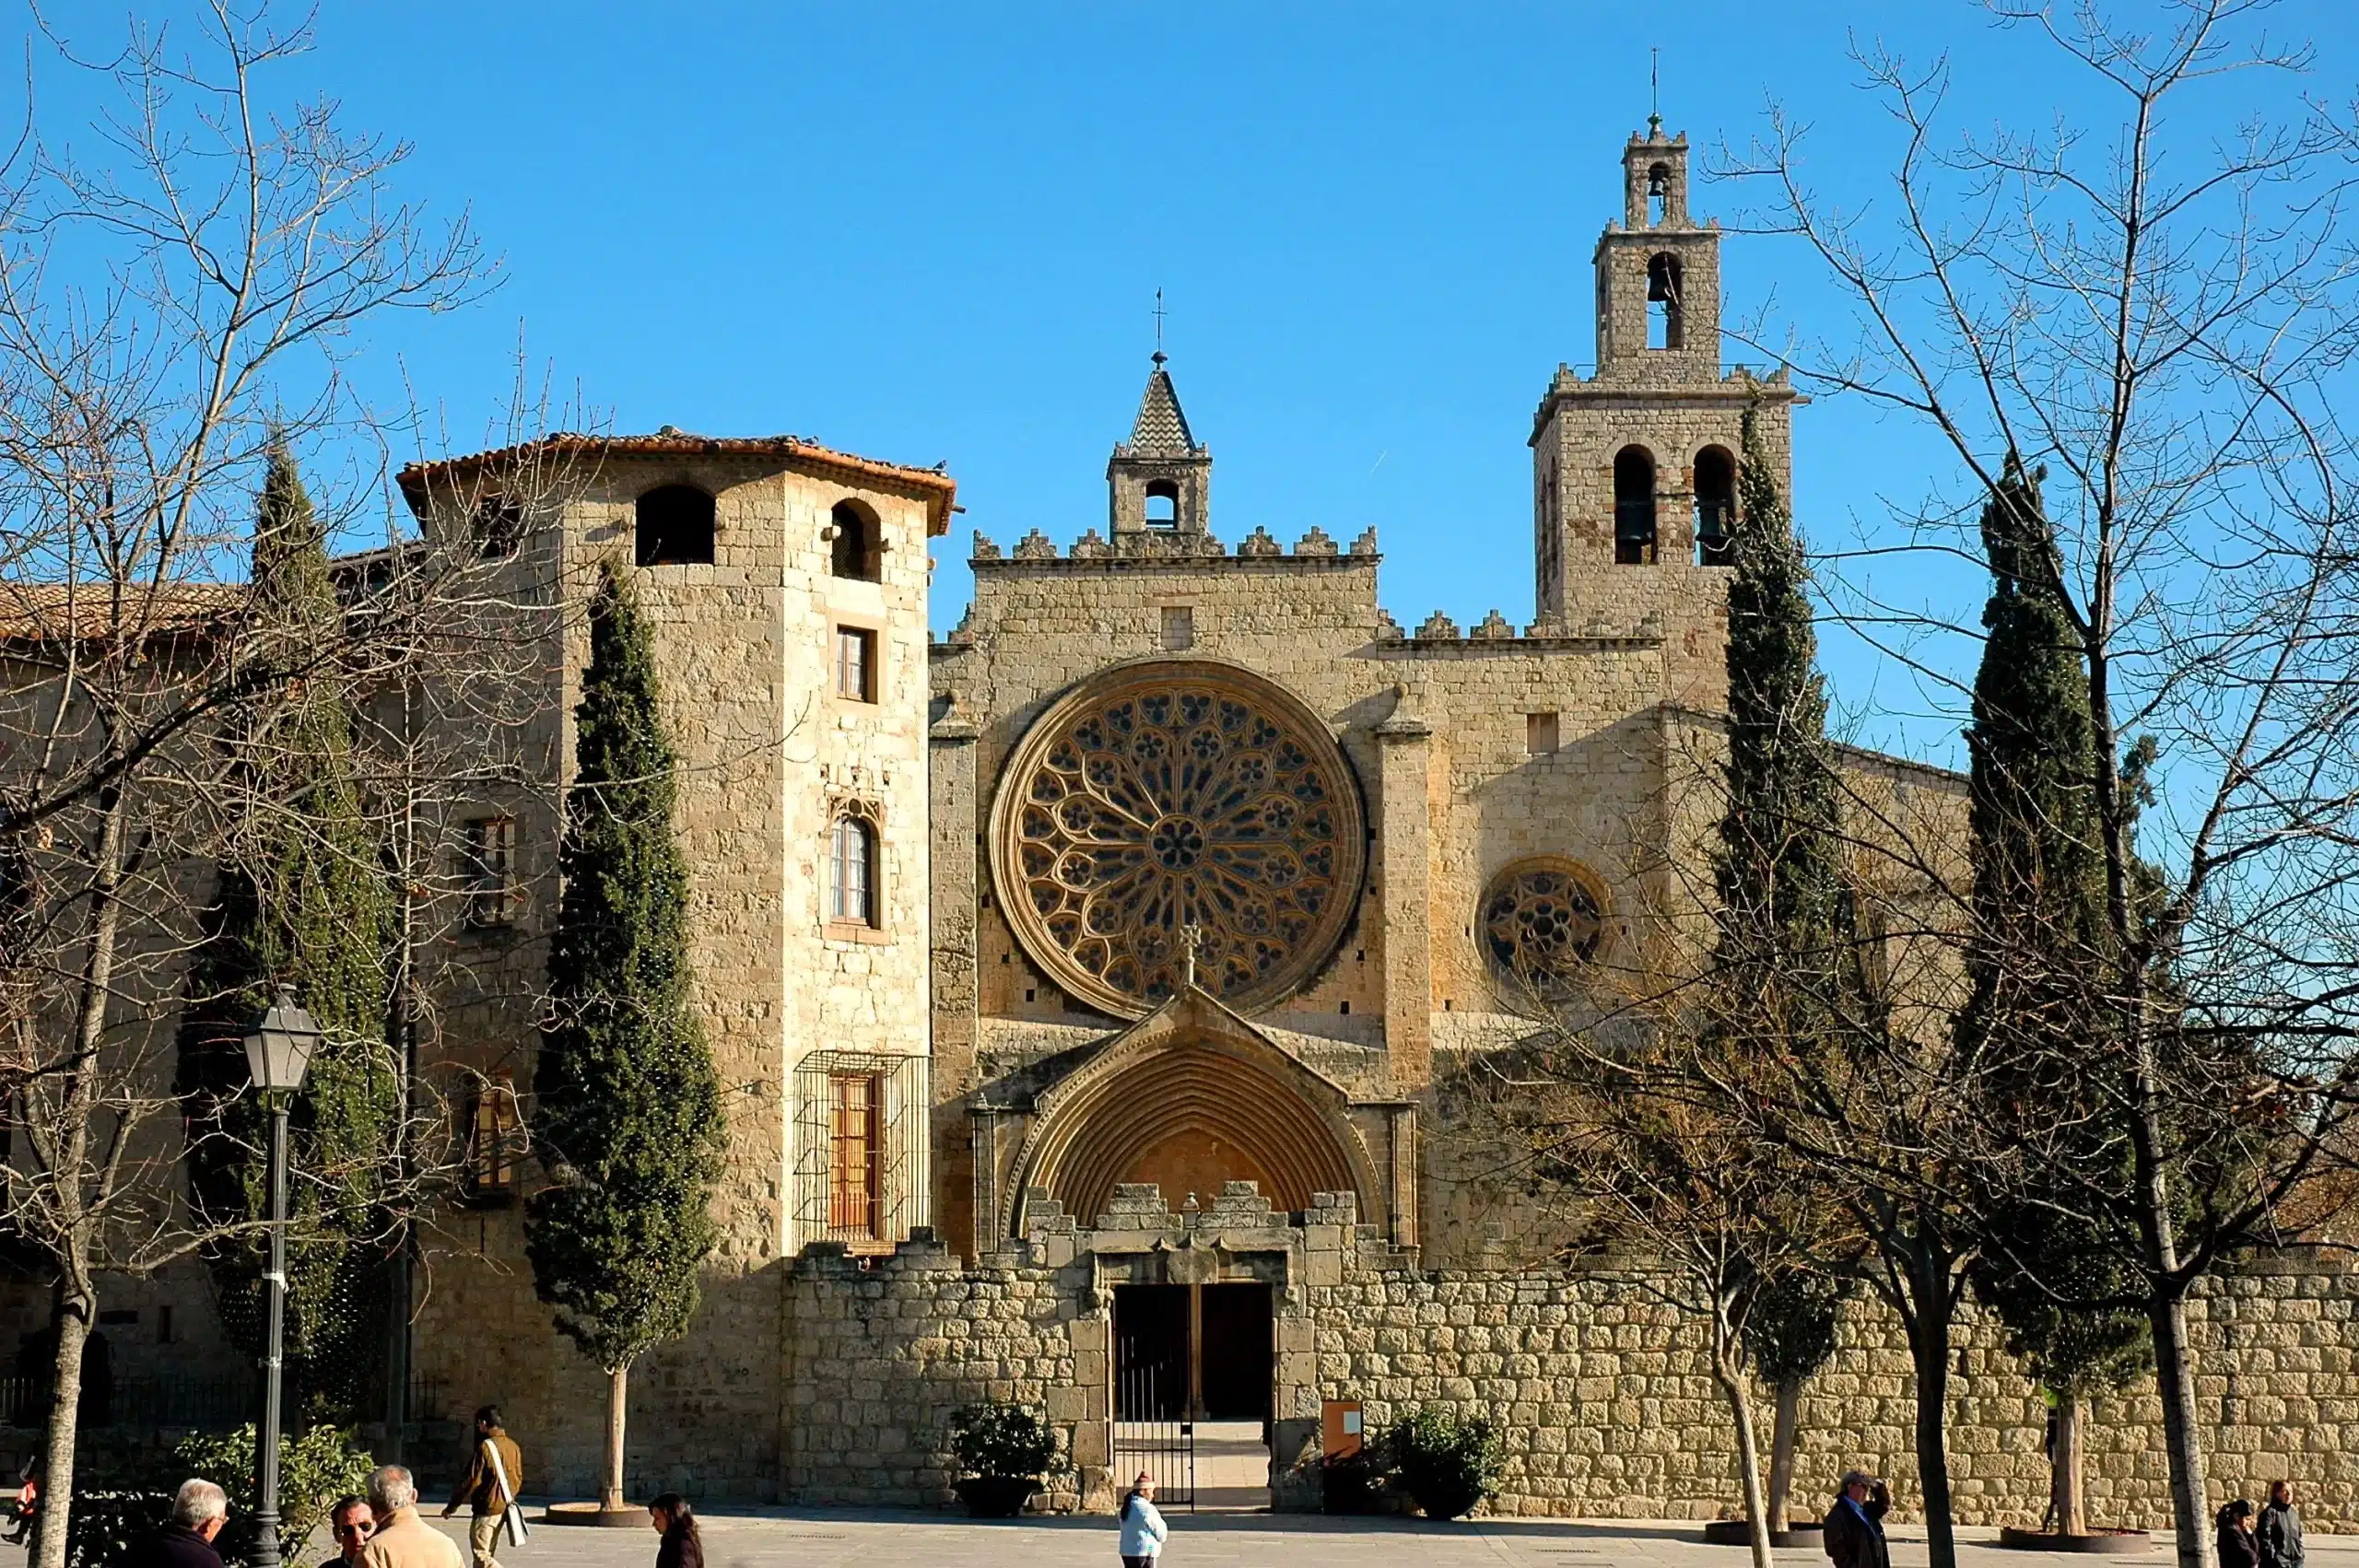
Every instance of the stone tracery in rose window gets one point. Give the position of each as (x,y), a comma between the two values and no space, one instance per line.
(1541,924)
(1171,795)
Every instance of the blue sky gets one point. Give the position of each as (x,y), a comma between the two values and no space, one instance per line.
(934,233)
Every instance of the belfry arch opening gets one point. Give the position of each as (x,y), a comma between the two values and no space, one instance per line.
(1634,507)
(1714,506)
(1658,194)
(853,542)
(673,527)
(1666,324)
(1162,503)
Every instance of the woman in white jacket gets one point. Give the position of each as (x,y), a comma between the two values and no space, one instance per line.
(1142,1527)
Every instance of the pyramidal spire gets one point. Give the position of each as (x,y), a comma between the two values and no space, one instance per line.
(1161,429)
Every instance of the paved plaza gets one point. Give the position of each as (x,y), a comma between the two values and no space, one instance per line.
(813,1538)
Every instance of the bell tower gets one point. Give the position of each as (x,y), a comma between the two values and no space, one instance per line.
(1160,481)
(1634,465)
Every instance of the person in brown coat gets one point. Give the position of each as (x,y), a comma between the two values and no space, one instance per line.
(402,1538)
(675,1521)
(1853,1534)
(480,1488)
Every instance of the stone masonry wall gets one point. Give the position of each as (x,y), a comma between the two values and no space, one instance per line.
(1600,1390)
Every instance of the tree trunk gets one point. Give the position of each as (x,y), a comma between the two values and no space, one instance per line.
(78,1311)
(2175,1380)
(2067,1469)
(1928,1349)
(1730,1375)
(1782,1436)
(617,1396)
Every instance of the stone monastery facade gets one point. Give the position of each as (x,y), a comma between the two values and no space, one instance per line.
(1082,982)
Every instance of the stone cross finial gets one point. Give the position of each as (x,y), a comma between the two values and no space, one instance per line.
(1192,938)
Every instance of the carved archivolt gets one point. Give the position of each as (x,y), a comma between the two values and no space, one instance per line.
(1541,923)
(1169,794)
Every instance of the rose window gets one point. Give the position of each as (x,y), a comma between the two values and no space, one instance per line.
(1541,923)
(1176,802)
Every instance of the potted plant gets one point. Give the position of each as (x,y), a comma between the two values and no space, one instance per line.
(1004,1452)
(1446,1463)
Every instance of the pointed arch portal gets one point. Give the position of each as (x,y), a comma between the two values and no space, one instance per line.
(1189,1099)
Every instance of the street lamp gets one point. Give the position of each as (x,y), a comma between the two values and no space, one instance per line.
(277,1052)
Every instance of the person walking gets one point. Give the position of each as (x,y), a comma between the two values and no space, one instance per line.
(1142,1527)
(27,1498)
(401,1540)
(489,1486)
(2280,1530)
(351,1522)
(199,1510)
(675,1521)
(1853,1534)
(2235,1545)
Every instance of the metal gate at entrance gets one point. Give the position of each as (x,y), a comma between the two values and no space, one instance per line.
(1194,1365)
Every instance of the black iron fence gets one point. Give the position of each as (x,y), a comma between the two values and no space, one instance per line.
(1145,1439)
(213,1402)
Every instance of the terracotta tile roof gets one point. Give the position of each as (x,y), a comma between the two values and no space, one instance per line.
(39,612)
(937,489)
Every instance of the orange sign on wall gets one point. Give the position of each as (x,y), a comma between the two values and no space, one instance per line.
(1338,1427)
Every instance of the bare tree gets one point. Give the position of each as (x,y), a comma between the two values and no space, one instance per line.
(177,293)
(2157,307)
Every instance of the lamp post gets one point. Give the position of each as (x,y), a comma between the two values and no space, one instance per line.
(277,1052)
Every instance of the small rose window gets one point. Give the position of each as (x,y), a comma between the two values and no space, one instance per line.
(1541,925)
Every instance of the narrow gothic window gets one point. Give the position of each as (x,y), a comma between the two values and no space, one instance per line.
(1665,328)
(1162,504)
(490,855)
(852,880)
(1715,506)
(853,1101)
(675,527)
(855,664)
(852,551)
(1634,507)
(492,1126)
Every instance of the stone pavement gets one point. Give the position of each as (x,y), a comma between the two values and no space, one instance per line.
(813,1538)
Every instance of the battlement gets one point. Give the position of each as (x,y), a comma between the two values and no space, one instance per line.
(1036,548)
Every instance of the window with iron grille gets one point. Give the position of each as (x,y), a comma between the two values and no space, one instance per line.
(860,1154)
(493,1141)
(491,870)
(855,1100)
(855,664)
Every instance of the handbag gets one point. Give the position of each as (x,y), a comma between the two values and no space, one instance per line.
(511,1520)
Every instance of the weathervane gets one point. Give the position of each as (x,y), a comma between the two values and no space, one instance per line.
(1654,100)
(1159,313)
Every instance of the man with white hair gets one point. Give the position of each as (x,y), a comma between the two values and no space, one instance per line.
(403,1539)
(199,1509)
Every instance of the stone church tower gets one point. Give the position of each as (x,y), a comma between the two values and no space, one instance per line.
(1634,467)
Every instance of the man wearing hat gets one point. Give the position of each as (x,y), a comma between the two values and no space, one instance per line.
(1854,1530)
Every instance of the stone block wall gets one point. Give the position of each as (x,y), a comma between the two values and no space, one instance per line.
(1600,1389)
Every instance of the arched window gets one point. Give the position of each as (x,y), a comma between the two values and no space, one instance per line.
(1715,506)
(1665,327)
(852,872)
(1634,507)
(675,527)
(854,550)
(1162,503)
(1658,193)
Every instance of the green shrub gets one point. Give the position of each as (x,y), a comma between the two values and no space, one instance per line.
(1446,1463)
(314,1469)
(996,1438)
(105,1520)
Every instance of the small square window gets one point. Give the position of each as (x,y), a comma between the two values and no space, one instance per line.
(1540,733)
(855,664)
(1179,627)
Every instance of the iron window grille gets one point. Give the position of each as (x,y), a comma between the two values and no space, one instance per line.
(860,1147)
(491,872)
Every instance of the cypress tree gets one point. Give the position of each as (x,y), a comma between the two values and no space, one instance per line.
(300,899)
(1781,903)
(628,1104)
(2036,959)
